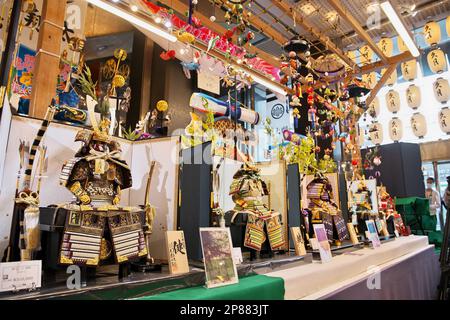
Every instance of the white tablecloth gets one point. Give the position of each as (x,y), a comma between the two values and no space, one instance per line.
(317,280)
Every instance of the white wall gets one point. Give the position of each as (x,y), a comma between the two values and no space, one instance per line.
(61,147)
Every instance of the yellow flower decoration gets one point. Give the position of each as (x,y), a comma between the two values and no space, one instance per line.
(118,81)
(162,106)
(186,37)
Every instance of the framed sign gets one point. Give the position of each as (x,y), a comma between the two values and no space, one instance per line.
(176,252)
(22,275)
(373,233)
(218,257)
(299,243)
(324,245)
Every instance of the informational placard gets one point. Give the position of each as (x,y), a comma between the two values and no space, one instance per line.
(237,256)
(209,81)
(324,245)
(299,242)
(373,234)
(352,232)
(217,248)
(176,252)
(22,275)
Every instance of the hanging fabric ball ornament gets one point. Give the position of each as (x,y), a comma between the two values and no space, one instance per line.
(395,129)
(409,70)
(393,101)
(441,90)
(436,61)
(432,33)
(413,97)
(444,120)
(419,125)
(212,18)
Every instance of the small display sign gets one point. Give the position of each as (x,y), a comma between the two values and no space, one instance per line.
(24,275)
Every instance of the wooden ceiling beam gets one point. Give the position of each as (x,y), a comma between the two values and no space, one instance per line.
(181,8)
(400,58)
(381,83)
(340,9)
(326,41)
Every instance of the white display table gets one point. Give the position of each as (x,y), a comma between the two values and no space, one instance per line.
(351,272)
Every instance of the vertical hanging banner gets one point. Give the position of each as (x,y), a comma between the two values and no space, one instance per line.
(5,18)
(278,112)
(27,42)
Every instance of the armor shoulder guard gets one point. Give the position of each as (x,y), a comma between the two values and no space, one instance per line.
(123,176)
(73,170)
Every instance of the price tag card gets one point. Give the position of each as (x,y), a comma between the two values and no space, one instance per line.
(373,234)
(22,275)
(237,256)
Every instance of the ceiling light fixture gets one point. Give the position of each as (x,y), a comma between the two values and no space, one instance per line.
(132,19)
(400,28)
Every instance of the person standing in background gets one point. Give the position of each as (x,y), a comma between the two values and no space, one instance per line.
(434,197)
(447,194)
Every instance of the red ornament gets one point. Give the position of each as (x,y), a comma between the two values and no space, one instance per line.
(354,163)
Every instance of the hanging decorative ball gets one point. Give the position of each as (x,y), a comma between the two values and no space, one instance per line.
(366,54)
(419,125)
(162,106)
(441,90)
(392,78)
(120,54)
(436,61)
(374,108)
(401,45)
(212,18)
(444,120)
(409,70)
(432,33)
(395,129)
(377,161)
(413,96)
(376,133)
(194,2)
(118,81)
(387,46)
(393,101)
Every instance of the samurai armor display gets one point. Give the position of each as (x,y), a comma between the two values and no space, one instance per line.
(262,224)
(82,238)
(127,235)
(324,211)
(96,227)
(86,242)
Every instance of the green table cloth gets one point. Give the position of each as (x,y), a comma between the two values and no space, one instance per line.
(257,287)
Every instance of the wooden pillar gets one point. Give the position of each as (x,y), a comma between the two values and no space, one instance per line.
(46,68)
